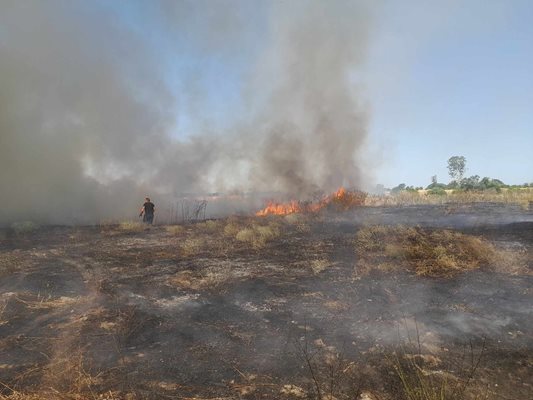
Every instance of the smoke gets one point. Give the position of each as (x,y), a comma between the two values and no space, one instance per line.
(314,124)
(88,114)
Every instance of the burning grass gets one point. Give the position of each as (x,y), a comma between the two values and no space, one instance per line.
(432,253)
(341,200)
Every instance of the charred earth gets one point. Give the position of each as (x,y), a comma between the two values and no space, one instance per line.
(377,302)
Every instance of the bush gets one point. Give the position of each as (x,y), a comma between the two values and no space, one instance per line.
(24,227)
(436,186)
(439,191)
(435,253)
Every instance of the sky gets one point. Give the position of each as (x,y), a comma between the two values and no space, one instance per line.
(461,83)
(441,78)
(104,101)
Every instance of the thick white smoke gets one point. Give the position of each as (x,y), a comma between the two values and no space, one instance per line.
(87,115)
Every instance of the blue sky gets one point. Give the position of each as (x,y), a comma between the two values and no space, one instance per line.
(464,87)
(441,78)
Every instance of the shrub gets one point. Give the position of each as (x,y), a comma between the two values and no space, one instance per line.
(24,227)
(425,252)
(439,191)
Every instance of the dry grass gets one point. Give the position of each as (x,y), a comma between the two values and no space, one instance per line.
(319,265)
(42,303)
(225,236)
(213,226)
(131,226)
(434,253)
(257,235)
(50,394)
(2,309)
(174,229)
(193,246)
(232,228)
(425,377)
(523,197)
(299,221)
(201,280)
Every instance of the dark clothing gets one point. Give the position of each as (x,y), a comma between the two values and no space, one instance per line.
(148,216)
(149,208)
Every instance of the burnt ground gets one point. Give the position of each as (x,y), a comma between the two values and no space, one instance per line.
(151,314)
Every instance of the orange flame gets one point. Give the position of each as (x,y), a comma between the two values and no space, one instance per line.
(342,199)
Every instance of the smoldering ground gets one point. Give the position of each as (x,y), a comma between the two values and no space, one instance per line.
(88,116)
(204,310)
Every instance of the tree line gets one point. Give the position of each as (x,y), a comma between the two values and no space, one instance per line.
(458,182)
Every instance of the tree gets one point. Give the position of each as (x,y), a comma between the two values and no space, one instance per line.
(399,188)
(456,168)
(471,183)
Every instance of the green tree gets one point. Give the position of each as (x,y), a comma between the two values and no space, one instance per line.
(456,168)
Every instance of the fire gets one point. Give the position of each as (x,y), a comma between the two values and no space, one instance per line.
(273,208)
(342,200)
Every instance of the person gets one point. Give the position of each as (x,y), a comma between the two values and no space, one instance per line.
(147,211)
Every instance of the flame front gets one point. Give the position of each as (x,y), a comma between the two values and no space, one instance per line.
(342,199)
(280,208)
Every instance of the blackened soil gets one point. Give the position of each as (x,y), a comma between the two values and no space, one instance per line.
(135,314)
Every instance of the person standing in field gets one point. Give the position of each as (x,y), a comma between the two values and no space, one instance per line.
(147,211)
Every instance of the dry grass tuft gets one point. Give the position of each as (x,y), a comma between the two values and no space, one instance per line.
(299,221)
(319,265)
(213,226)
(232,228)
(131,226)
(51,394)
(193,246)
(257,235)
(174,229)
(422,376)
(201,280)
(434,253)
(42,303)
(22,396)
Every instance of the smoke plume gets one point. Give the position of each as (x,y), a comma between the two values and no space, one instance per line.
(88,113)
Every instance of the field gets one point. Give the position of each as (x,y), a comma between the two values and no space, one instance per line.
(416,302)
